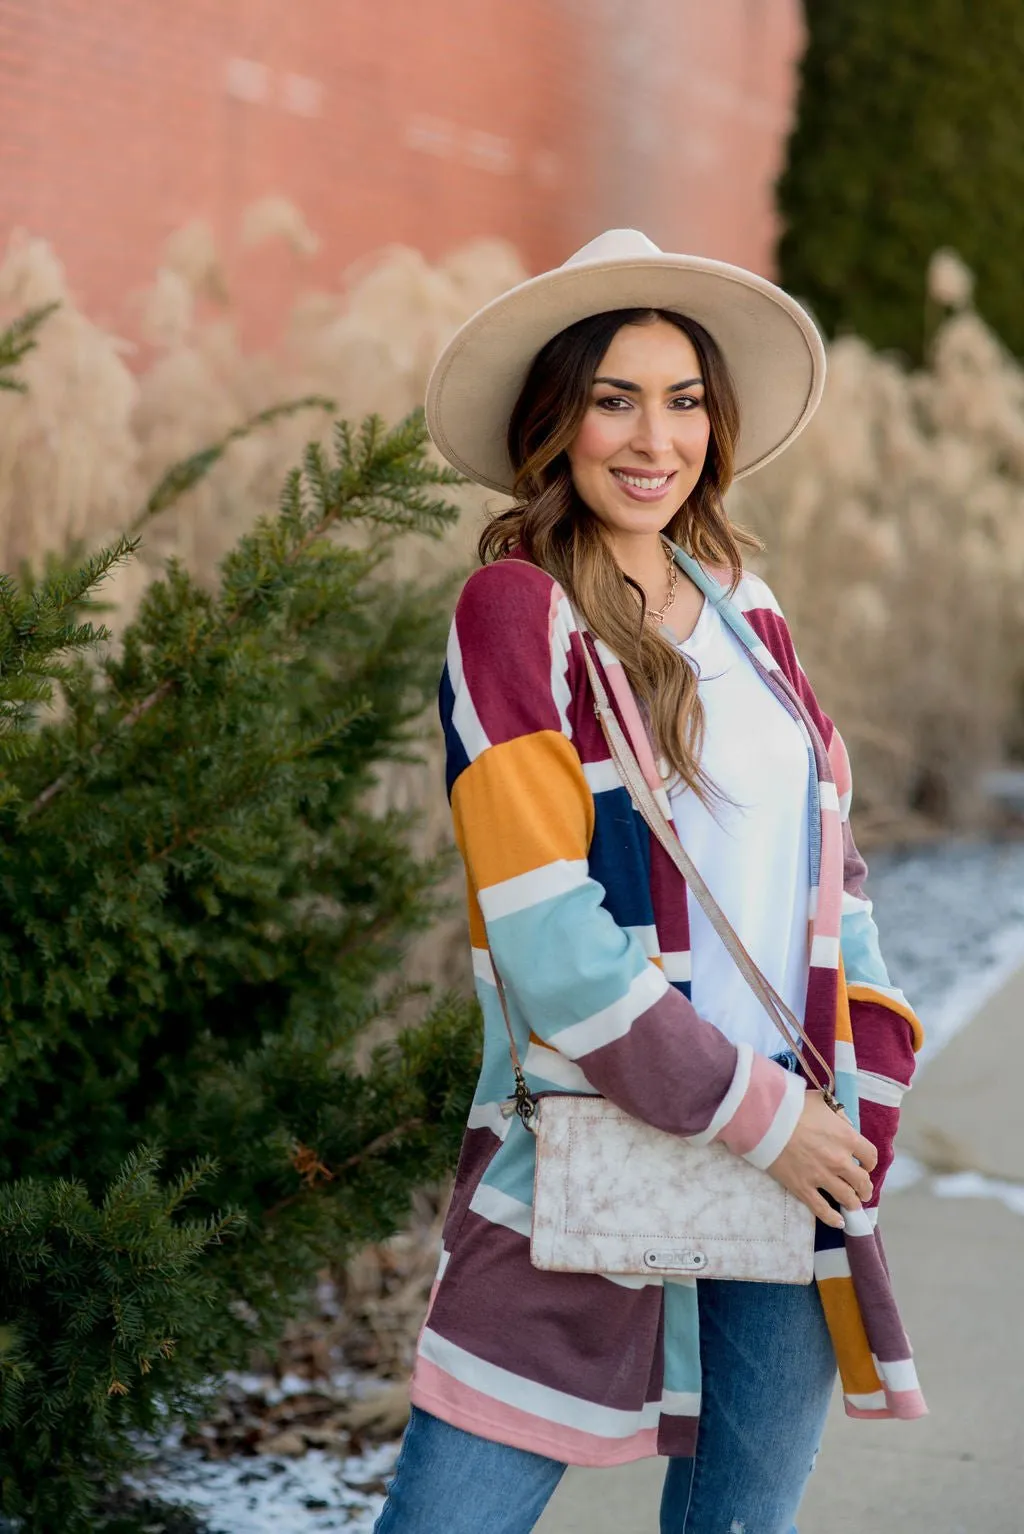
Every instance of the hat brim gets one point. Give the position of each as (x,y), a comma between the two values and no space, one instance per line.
(771,346)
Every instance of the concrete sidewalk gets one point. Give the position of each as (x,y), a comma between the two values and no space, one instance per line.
(958,1266)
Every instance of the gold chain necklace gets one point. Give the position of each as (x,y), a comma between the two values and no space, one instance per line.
(658,613)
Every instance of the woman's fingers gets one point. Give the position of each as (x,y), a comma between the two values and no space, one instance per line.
(865,1153)
(823,1209)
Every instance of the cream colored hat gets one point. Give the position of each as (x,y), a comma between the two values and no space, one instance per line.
(771,346)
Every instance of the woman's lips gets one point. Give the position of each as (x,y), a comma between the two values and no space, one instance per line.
(633,486)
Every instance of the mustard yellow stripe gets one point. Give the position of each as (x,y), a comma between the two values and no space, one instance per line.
(844,1027)
(853,1351)
(522,805)
(868,993)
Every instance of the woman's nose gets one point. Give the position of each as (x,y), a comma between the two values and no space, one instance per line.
(651,433)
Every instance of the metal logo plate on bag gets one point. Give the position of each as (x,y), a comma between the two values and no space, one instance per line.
(677,1261)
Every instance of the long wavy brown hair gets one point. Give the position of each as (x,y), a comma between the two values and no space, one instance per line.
(552,526)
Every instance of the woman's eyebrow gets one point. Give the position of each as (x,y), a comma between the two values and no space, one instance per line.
(632,388)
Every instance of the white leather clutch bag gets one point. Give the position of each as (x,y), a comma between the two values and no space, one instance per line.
(613,1195)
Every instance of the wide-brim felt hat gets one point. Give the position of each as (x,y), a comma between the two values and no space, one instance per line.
(771,347)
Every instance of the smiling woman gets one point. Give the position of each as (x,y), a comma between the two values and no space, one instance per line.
(616,398)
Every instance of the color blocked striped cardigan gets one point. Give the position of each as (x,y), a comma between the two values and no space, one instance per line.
(586,917)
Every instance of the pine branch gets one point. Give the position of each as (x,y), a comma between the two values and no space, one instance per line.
(187,473)
(17,340)
(381,477)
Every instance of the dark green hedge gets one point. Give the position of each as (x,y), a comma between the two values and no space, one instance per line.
(909,136)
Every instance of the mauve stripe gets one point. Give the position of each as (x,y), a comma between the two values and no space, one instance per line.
(550,1327)
(669,1075)
(435,1391)
(874,1296)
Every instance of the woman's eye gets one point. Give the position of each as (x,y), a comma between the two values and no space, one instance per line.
(687,401)
(611,402)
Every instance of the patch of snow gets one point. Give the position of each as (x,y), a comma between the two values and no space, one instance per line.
(951,927)
(317,1494)
(974,1185)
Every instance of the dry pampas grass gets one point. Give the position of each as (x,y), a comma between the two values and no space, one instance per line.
(895,543)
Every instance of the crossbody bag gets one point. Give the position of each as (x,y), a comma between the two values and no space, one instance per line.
(613,1194)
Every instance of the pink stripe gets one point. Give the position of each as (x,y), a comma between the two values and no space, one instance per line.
(839,761)
(828,919)
(623,695)
(435,1391)
(905,1405)
(756,1113)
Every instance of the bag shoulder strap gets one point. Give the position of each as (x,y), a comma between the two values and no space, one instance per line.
(646,805)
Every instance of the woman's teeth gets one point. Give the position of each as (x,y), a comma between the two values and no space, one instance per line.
(653,483)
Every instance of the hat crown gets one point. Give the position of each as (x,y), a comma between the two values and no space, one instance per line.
(614,245)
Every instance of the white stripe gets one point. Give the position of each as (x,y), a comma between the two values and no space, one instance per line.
(845,801)
(782,1125)
(753,591)
(552,1066)
(662,801)
(828,796)
(898,1375)
(824,952)
(846,1058)
(502,1209)
(483,969)
(833,1263)
(812,902)
(464,715)
(677,966)
(525,890)
(647,937)
(872,1088)
(561,692)
(614,1022)
(555,1406)
(489,1116)
(860,1222)
(681,1403)
(874,1402)
(442,1264)
(761,653)
(602,777)
(732,1099)
(854,904)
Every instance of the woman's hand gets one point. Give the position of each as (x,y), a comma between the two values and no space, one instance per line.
(823,1154)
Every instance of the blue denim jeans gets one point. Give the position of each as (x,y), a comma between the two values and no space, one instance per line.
(768,1371)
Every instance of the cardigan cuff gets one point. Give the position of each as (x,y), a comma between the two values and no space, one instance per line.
(764,1122)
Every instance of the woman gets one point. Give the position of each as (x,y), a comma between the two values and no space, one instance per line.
(617,397)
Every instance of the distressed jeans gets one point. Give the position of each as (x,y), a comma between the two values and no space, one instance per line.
(768,1370)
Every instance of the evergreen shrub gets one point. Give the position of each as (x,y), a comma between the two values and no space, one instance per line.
(200,918)
(907,140)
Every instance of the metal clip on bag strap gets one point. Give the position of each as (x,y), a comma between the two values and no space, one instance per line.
(647,806)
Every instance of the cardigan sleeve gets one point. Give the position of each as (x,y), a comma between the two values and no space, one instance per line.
(886,1032)
(524,817)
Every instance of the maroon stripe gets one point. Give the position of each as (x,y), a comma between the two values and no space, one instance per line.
(574,1332)
(502,626)
(884,1041)
(677,1436)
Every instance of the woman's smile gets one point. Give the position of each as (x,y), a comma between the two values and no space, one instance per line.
(642,485)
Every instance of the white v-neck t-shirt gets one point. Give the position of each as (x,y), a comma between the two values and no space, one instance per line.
(752,847)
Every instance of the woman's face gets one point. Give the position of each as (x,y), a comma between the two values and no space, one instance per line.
(642,443)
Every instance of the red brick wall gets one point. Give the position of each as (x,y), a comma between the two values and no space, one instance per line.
(421,121)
